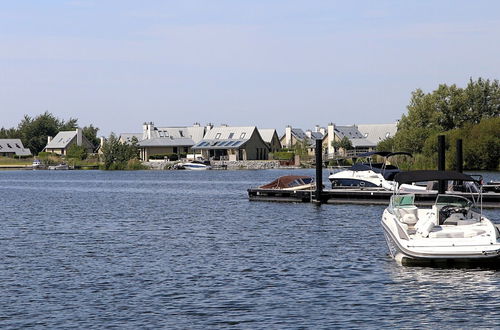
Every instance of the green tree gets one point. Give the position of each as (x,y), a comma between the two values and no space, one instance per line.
(117,155)
(90,132)
(343,143)
(76,152)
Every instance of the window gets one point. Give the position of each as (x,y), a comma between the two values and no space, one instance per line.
(8,145)
(161,134)
(231,135)
(242,136)
(181,133)
(387,134)
(217,136)
(17,145)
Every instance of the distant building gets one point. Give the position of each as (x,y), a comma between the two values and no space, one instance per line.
(336,133)
(168,140)
(378,132)
(293,136)
(127,137)
(60,143)
(233,143)
(13,147)
(270,137)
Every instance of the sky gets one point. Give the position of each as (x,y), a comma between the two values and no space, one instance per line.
(265,63)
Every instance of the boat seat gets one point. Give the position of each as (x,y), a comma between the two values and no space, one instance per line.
(408,215)
(424,226)
(438,232)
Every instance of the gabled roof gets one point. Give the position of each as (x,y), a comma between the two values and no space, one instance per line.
(167,142)
(226,137)
(350,132)
(14,146)
(267,134)
(61,140)
(192,132)
(127,137)
(378,132)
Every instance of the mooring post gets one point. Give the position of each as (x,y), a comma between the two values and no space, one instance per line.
(441,163)
(459,166)
(319,171)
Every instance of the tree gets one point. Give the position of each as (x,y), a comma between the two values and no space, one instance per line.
(76,152)
(116,155)
(343,143)
(90,132)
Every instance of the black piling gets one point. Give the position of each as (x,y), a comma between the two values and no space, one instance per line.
(441,162)
(319,172)
(459,166)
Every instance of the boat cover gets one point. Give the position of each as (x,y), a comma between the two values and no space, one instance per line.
(288,181)
(431,175)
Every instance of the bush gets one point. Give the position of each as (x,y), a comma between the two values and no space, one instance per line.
(283,155)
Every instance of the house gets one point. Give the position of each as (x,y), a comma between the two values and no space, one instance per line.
(336,133)
(60,143)
(127,137)
(13,147)
(270,137)
(378,132)
(169,140)
(294,136)
(233,143)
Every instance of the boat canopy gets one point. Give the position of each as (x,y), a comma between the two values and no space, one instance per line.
(288,181)
(431,175)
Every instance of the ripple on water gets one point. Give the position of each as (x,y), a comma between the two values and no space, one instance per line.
(187,250)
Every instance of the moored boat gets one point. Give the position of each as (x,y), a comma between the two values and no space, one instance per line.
(193,165)
(453,230)
(291,182)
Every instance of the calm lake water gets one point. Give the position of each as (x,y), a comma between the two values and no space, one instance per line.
(187,250)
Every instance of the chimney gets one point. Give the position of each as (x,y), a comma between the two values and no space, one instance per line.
(316,129)
(208,127)
(288,136)
(78,136)
(223,125)
(322,130)
(102,140)
(331,136)
(49,138)
(147,128)
(309,133)
(196,125)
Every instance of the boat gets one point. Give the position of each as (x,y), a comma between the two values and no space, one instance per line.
(291,182)
(452,231)
(369,174)
(193,165)
(38,165)
(62,166)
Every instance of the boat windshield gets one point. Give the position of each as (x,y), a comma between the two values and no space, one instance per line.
(453,200)
(403,200)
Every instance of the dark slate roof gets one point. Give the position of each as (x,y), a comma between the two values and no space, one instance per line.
(14,146)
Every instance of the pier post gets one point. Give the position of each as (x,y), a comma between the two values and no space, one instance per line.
(441,163)
(319,171)
(459,166)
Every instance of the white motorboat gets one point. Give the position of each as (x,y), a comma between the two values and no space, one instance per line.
(62,166)
(194,165)
(368,174)
(38,165)
(453,230)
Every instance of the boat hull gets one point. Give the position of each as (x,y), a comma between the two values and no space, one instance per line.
(408,257)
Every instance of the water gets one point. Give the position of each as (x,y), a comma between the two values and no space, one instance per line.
(187,250)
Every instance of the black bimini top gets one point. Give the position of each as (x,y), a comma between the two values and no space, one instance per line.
(430,175)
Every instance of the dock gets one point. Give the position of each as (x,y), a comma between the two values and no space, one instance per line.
(355,195)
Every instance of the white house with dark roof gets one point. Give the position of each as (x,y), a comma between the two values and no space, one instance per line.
(337,133)
(13,147)
(60,143)
(169,140)
(233,143)
(293,136)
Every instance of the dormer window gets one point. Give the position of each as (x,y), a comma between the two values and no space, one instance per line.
(181,133)
(8,145)
(217,136)
(242,136)
(230,135)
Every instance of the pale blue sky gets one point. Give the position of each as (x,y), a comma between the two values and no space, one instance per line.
(267,63)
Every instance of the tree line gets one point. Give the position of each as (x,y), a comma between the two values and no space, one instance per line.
(33,132)
(471,114)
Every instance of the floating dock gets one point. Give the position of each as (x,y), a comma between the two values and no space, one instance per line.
(347,195)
